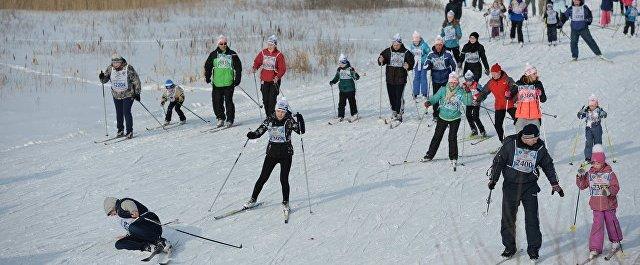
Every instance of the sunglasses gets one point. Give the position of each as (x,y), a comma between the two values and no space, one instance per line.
(222,44)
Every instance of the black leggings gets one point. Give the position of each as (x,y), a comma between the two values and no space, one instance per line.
(516,26)
(342,103)
(473,117)
(500,115)
(629,24)
(270,162)
(174,105)
(456,54)
(270,91)
(441,126)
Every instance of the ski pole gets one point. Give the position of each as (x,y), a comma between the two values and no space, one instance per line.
(306,177)
(413,140)
(104,104)
(526,24)
(613,153)
(575,216)
(195,114)
(488,114)
(254,101)
(334,101)
(154,117)
(380,96)
(550,115)
(229,174)
(506,116)
(575,144)
(488,203)
(257,93)
(194,235)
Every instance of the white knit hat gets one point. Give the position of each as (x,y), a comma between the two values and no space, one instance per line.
(529,70)
(282,104)
(109,204)
(272,40)
(438,40)
(416,36)
(129,206)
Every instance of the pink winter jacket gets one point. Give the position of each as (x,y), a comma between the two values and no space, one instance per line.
(627,2)
(597,181)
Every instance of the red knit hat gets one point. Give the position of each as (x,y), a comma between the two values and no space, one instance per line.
(496,68)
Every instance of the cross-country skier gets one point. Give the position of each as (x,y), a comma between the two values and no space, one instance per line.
(581,18)
(499,85)
(420,50)
(223,70)
(279,150)
(456,7)
(473,110)
(551,20)
(603,187)
(452,33)
(593,115)
(273,66)
(441,63)
(517,15)
(528,94)
(518,160)
(630,19)
(125,88)
(398,61)
(175,95)
(345,77)
(144,231)
(496,17)
(474,57)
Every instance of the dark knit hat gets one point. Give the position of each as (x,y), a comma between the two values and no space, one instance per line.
(530,131)
(474,34)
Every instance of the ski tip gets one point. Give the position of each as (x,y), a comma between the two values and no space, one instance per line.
(240,246)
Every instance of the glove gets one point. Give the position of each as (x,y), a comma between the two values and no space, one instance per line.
(427,104)
(236,83)
(486,71)
(492,184)
(252,135)
(136,97)
(526,17)
(380,59)
(606,192)
(556,188)
(582,171)
(208,80)
(538,92)
(507,94)
(330,83)
(300,120)
(162,103)
(467,88)
(101,75)
(405,66)
(559,26)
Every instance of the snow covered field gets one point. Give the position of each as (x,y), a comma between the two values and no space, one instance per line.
(53,177)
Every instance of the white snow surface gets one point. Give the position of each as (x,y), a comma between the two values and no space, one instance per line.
(53,177)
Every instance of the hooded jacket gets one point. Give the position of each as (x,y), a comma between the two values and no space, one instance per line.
(345,77)
(441,65)
(451,33)
(394,60)
(420,53)
(125,81)
(452,100)
(597,181)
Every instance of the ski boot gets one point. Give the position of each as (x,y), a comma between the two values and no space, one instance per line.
(593,254)
(250,203)
(129,135)
(220,123)
(483,134)
(508,253)
(120,134)
(426,158)
(228,124)
(166,123)
(183,122)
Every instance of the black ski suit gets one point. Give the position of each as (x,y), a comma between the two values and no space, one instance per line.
(518,163)
(142,232)
(474,58)
(396,75)
(279,150)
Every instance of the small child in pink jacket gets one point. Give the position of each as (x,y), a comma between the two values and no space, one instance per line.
(603,187)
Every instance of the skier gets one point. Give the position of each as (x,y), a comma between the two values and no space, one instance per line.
(496,16)
(451,33)
(581,18)
(399,61)
(593,115)
(517,15)
(279,149)
(606,9)
(603,187)
(630,19)
(473,110)
(451,98)
(273,65)
(479,6)
(223,70)
(551,20)
(125,88)
(420,50)
(441,63)
(345,76)
(474,57)
(499,85)
(175,95)
(456,7)
(143,227)
(518,160)
(528,94)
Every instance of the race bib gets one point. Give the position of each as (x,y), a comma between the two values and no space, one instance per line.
(577,14)
(551,17)
(417,53)
(449,33)
(495,14)
(119,80)
(277,134)
(345,74)
(472,57)
(439,63)
(454,103)
(397,59)
(598,182)
(268,62)
(526,93)
(524,160)
(592,117)
(171,94)
(224,61)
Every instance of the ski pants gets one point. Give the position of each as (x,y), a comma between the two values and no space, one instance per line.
(270,91)
(476,69)
(436,87)
(552,32)
(123,113)
(605,18)
(456,54)
(269,164)
(512,195)
(629,24)
(600,220)
(480,3)
(223,107)
(420,85)
(395,93)
(516,26)
(441,126)
(593,135)
(473,117)
(533,6)
(586,36)
(142,232)
(495,32)
(174,105)
(343,97)
(500,115)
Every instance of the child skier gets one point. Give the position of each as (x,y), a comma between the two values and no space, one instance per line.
(593,115)
(529,94)
(279,149)
(603,187)
(451,98)
(345,76)
(175,95)
(551,19)
(473,110)
(630,16)
(517,14)
(496,16)
(452,33)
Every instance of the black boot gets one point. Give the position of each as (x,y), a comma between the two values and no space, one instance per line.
(508,253)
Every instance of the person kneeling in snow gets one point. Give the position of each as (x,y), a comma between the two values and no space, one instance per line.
(143,227)
(518,160)
(175,95)
(279,150)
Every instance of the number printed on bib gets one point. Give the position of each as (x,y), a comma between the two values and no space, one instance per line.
(277,134)
(526,93)
(268,62)
(438,63)
(524,160)
(598,182)
(397,59)
(119,80)
(345,74)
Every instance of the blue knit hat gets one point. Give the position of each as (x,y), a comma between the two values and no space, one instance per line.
(169,84)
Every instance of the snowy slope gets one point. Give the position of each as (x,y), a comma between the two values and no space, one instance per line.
(54,178)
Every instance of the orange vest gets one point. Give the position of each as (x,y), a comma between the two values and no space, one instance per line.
(528,106)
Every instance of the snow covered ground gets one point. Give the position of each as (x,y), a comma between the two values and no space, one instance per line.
(54,178)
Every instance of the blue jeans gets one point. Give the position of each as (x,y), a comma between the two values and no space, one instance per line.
(593,136)
(123,112)
(586,36)
(420,85)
